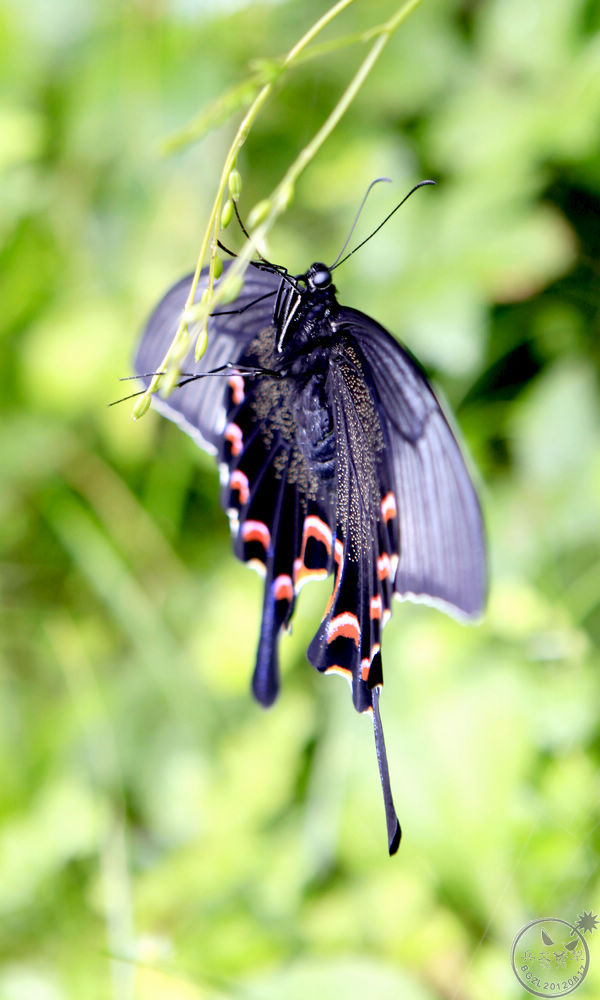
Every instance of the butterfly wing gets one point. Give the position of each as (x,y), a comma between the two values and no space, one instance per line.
(348,640)
(407,518)
(279,525)
(198,407)
(441,547)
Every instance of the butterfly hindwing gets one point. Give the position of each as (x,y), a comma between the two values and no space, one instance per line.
(349,638)
(280,526)
(441,552)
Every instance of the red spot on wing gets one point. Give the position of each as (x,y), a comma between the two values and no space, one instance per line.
(283,589)
(376,607)
(388,507)
(256,531)
(233,434)
(365,665)
(236,383)
(345,625)
(238,481)
(314,527)
(384,567)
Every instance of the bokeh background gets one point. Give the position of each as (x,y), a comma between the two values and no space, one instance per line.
(162,836)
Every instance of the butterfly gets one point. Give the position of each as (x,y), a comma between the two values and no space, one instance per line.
(335,459)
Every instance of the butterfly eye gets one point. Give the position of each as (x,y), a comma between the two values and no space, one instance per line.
(571,945)
(546,938)
(319,276)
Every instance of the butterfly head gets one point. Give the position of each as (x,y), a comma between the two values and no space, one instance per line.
(317,277)
(312,293)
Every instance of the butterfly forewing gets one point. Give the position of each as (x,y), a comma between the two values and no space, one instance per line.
(198,406)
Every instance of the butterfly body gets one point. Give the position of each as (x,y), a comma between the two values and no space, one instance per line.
(335,459)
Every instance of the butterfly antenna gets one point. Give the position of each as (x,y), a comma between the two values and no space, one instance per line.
(247,235)
(245,231)
(393,826)
(378,180)
(387,218)
(240,223)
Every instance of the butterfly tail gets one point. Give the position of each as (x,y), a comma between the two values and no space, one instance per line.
(348,642)
(394,830)
(278,602)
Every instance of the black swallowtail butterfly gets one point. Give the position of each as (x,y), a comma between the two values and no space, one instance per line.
(335,458)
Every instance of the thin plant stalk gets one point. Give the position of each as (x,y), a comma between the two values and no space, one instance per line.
(280,197)
(210,235)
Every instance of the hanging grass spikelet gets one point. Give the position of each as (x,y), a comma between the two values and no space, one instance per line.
(181,345)
(259,213)
(141,406)
(235,184)
(232,288)
(170,381)
(227,213)
(201,342)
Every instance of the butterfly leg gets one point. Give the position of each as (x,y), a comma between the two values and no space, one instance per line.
(244,308)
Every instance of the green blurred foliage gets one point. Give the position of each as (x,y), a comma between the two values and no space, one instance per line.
(162,836)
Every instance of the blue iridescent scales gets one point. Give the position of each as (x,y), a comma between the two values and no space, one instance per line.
(335,459)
